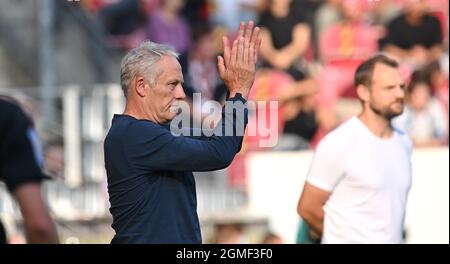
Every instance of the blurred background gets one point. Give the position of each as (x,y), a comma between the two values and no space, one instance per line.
(61,60)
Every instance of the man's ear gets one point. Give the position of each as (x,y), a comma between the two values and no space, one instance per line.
(363,92)
(140,86)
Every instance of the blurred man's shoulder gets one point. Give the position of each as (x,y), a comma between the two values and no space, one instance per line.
(9,104)
(341,136)
(11,111)
(344,129)
(404,138)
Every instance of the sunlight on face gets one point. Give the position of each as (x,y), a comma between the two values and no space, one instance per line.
(387,93)
(164,98)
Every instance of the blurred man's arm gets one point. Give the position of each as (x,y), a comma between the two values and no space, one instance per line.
(326,171)
(283,58)
(310,207)
(20,170)
(436,52)
(37,221)
(419,54)
(396,51)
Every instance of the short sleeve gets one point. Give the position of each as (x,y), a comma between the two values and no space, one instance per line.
(435,28)
(327,167)
(20,157)
(394,32)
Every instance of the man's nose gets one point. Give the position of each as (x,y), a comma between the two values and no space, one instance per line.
(179,93)
(400,92)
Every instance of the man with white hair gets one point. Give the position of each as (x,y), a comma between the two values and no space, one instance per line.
(150,182)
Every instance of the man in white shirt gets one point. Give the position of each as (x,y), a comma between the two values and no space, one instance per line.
(357,186)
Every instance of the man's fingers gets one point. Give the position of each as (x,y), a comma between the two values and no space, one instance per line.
(255,35)
(249,31)
(247,39)
(247,51)
(251,56)
(226,51)
(241,30)
(234,51)
(240,53)
(257,43)
(221,66)
(245,47)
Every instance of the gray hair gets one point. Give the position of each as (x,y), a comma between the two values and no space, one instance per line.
(141,61)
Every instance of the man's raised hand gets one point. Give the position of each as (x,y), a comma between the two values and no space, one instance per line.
(238,65)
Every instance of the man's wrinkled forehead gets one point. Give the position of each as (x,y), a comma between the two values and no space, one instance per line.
(169,66)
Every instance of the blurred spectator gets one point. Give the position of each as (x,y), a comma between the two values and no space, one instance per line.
(230,13)
(229,234)
(343,47)
(122,16)
(271,238)
(439,9)
(424,118)
(202,61)
(301,124)
(20,169)
(327,15)
(167,26)
(415,36)
(270,86)
(122,22)
(273,85)
(286,37)
(438,79)
(200,69)
(197,11)
(350,39)
(384,11)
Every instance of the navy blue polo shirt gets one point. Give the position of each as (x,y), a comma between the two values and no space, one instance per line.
(150,182)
